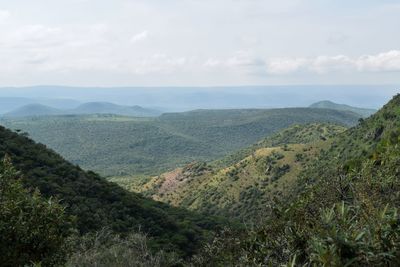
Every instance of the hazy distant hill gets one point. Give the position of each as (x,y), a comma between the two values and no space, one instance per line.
(365,112)
(110,108)
(86,108)
(189,98)
(10,104)
(33,110)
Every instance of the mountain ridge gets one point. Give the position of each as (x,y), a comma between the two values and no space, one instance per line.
(119,146)
(97,203)
(31,110)
(246,181)
(327,104)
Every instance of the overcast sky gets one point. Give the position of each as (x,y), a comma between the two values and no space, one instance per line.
(199,42)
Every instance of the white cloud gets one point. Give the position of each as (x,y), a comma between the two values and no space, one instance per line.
(211,63)
(139,37)
(4,15)
(157,63)
(257,42)
(389,61)
(383,62)
(285,66)
(32,36)
(240,59)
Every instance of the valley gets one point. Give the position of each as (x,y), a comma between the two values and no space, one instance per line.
(114,145)
(243,189)
(294,189)
(189,133)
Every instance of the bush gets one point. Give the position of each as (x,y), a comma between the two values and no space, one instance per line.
(104,248)
(32,229)
(347,236)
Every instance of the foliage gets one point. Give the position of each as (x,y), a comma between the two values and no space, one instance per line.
(119,146)
(244,189)
(343,211)
(96,203)
(32,229)
(105,248)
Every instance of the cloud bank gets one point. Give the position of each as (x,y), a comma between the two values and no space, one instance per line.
(382,62)
(191,42)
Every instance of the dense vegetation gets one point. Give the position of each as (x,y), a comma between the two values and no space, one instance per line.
(117,146)
(343,210)
(331,198)
(96,203)
(32,229)
(243,184)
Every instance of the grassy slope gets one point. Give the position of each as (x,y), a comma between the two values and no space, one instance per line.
(359,171)
(343,209)
(360,145)
(97,203)
(243,188)
(117,146)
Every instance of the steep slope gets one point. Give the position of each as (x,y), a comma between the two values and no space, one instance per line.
(364,112)
(343,210)
(97,203)
(118,146)
(368,143)
(244,188)
(33,110)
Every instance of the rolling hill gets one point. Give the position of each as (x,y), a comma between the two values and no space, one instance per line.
(96,203)
(341,211)
(244,183)
(117,146)
(9,104)
(32,110)
(364,112)
(110,108)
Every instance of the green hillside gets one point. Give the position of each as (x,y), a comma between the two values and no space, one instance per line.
(241,189)
(117,146)
(342,211)
(364,112)
(96,203)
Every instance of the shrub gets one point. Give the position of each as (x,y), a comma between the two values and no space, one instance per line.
(104,248)
(32,229)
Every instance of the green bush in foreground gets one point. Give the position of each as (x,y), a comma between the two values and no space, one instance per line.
(105,248)
(32,229)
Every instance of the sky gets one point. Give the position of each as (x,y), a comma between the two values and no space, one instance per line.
(199,42)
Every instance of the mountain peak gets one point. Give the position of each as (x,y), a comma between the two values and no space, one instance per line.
(327,104)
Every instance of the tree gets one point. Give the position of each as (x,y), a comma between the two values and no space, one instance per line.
(32,229)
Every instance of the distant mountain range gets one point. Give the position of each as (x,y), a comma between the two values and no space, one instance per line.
(86,108)
(8,104)
(174,99)
(26,107)
(120,145)
(365,112)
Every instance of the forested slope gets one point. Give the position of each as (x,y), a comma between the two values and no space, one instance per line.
(342,211)
(117,146)
(96,203)
(243,184)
